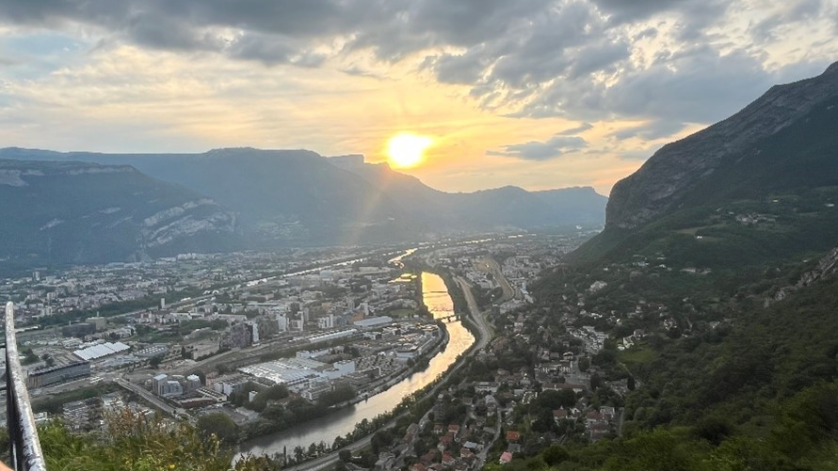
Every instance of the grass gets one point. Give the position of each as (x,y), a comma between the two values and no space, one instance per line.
(640,354)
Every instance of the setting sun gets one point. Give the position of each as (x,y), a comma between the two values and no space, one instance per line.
(405,150)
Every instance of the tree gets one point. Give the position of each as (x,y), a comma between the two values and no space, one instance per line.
(220,425)
(345,455)
(584,363)
(154,362)
(596,381)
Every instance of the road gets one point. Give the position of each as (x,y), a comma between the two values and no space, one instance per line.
(485,336)
(476,315)
(155,401)
(509,291)
(481,457)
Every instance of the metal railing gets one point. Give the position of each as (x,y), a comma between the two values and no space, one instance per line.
(24,446)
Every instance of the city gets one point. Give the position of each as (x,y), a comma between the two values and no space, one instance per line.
(250,342)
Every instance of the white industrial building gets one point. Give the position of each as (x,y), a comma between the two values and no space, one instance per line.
(373,322)
(100,351)
(300,373)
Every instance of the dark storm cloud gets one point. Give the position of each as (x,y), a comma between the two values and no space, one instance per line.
(539,151)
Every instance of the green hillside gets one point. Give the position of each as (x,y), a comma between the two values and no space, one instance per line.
(731,278)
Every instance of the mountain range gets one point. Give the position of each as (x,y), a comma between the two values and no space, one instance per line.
(270,198)
(65,212)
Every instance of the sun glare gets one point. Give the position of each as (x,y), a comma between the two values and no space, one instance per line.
(405,150)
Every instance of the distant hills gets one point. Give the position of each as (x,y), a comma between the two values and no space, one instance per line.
(760,185)
(297,197)
(70,212)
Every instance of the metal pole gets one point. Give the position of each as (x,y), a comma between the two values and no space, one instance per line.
(27,452)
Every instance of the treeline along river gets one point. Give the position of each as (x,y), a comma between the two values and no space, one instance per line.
(342,421)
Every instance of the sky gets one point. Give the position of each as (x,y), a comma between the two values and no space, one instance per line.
(535,93)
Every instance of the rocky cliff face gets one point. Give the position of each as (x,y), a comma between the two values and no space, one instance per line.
(71,212)
(679,167)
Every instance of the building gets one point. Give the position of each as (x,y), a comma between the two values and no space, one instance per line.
(373,322)
(282,322)
(101,350)
(316,388)
(327,322)
(240,335)
(78,330)
(193,383)
(58,373)
(254,332)
(82,415)
(99,322)
(171,388)
(229,384)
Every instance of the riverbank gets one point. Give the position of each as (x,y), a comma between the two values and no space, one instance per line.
(343,422)
(416,404)
(387,383)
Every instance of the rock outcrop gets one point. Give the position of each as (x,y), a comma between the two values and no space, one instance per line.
(679,167)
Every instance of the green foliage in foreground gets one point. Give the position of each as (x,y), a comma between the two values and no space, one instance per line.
(139,444)
(804,438)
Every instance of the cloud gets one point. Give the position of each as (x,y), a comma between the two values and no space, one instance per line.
(664,62)
(278,32)
(650,131)
(539,151)
(578,129)
(356,71)
(698,85)
(467,68)
(621,11)
(787,15)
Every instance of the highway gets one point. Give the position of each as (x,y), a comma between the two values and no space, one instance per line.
(509,291)
(155,401)
(476,315)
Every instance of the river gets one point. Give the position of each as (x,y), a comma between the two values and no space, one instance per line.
(341,422)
